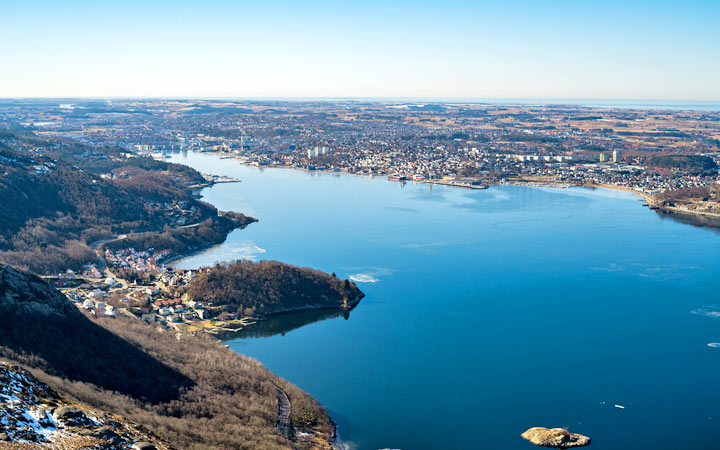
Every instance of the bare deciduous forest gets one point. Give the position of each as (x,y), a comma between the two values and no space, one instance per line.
(190,391)
(267,287)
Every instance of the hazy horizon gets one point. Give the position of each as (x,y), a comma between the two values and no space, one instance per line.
(319,49)
(639,104)
(367,98)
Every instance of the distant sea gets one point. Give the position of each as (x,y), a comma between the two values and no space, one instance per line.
(625,104)
(487,312)
(700,105)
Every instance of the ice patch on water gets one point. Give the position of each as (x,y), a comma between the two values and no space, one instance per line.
(420,245)
(401,209)
(710,311)
(248,251)
(363,278)
(221,255)
(612,267)
(373,272)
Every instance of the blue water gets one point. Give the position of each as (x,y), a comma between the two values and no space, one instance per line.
(487,311)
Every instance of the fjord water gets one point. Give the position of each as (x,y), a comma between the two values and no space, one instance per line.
(487,311)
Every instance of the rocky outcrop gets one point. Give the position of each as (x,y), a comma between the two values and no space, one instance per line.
(25,293)
(555,437)
(33,414)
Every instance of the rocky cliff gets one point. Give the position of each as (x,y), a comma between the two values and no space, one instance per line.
(23,293)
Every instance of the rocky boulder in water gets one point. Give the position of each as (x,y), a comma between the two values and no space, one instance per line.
(555,437)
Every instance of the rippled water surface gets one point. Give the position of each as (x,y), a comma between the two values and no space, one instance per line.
(487,311)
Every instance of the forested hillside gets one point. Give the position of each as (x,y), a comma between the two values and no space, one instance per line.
(693,164)
(183,240)
(52,208)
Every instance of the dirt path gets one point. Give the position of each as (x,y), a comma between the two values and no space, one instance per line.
(284,414)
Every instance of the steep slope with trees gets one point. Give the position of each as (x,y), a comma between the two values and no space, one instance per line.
(190,391)
(52,208)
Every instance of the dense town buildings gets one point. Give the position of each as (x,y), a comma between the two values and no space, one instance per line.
(467,144)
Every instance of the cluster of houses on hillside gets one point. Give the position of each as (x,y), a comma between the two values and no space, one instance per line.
(175,310)
(147,303)
(143,261)
(175,278)
(90,271)
(103,295)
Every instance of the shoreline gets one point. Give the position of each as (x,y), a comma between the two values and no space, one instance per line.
(652,202)
(224,333)
(649,199)
(232,334)
(616,187)
(540,182)
(688,212)
(193,252)
(352,303)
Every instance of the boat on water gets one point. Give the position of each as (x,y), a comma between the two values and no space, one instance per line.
(418,178)
(397,177)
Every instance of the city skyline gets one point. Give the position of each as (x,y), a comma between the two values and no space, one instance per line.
(217,49)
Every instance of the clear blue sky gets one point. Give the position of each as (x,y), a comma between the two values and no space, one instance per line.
(270,48)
